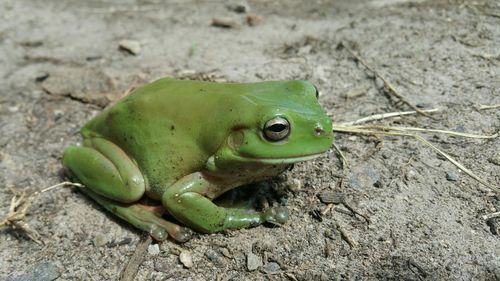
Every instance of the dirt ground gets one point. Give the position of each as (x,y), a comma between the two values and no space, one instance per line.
(420,218)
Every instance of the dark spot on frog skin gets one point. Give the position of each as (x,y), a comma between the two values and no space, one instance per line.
(172,127)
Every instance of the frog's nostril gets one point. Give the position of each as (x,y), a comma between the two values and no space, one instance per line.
(319,130)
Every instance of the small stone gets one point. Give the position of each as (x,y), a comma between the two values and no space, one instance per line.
(271,267)
(133,47)
(334,197)
(42,76)
(13,109)
(266,243)
(411,175)
(154,249)
(495,159)
(253,20)
(253,261)
(240,8)
(214,257)
(363,176)
(451,176)
(224,23)
(225,252)
(100,240)
(295,185)
(45,271)
(162,265)
(379,83)
(186,259)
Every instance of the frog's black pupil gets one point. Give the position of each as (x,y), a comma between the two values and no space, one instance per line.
(277,128)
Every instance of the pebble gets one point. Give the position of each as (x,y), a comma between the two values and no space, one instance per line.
(45,271)
(295,185)
(379,83)
(224,23)
(451,176)
(214,257)
(100,240)
(133,47)
(253,262)
(495,159)
(411,175)
(154,249)
(239,8)
(271,267)
(363,176)
(226,253)
(253,20)
(186,259)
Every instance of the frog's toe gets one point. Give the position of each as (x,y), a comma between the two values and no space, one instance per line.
(158,233)
(277,215)
(281,215)
(184,234)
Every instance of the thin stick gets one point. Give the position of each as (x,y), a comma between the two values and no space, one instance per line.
(356,212)
(490,216)
(421,139)
(62,184)
(369,128)
(344,160)
(327,209)
(414,129)
(493,106)
(387,85)
(346,236)
(130,270)
(19,205)
(385,116)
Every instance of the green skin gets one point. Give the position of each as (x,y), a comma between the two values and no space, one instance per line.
(187,142)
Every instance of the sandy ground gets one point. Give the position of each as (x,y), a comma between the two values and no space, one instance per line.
(60,64)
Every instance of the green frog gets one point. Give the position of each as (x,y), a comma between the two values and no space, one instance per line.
(184,143)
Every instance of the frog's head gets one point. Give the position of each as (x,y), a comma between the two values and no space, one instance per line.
(281,123)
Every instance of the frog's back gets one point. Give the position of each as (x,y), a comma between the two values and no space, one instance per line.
(159,125)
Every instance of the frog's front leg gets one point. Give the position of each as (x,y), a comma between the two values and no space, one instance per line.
(186,202)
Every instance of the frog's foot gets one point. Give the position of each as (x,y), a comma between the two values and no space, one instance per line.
(276,215)
(185,201)
(261,197)
(144,217)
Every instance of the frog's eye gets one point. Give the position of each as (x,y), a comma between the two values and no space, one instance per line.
(317,92)
(276,129)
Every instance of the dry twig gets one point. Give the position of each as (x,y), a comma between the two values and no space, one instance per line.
(491,216)
(346,236)
(406,132)
(344,160)
(130,270)
(385,116)
(19,205)
(492,106)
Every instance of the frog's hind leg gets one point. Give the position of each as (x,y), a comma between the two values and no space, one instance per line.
(114,181)
(106,169)
(144,217)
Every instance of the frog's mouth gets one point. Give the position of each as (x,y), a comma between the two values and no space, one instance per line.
(284,160)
